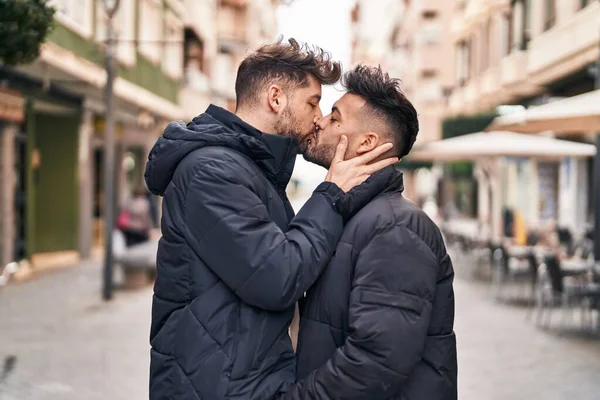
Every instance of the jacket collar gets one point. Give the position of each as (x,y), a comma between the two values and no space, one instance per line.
(278,162)
(387,180)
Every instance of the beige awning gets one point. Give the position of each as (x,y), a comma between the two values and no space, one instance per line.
(499,144)
(578,114)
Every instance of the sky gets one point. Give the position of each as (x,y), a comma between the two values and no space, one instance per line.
(325,23)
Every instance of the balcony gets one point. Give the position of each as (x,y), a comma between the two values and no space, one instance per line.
(232,33)
(456,102)
(234,3)
(566,48)
(514,68)
(472,91)
(232,40)
(200,15)
(491,81)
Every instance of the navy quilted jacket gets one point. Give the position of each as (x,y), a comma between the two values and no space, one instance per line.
(233,259)
(378,324)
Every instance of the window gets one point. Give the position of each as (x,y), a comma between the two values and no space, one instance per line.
(486,45)
(520,24)
(355,13)
(151,29)
(549,14)
(233,22)
(430,33)
(430,91)
(75,15)
(124,29)
(194,51)
(428,73)
(223,76)
(463,61)
(431,14)
(195,68)
(506,35)
(526,34)
(471,59)
(173,58)
(517,13)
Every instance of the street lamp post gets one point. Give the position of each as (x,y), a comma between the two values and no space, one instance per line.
(596,198)
(111,7)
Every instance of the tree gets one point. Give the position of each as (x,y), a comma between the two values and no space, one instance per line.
(24,26)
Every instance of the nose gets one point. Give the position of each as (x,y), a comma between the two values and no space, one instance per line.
(318,115)
(321,123)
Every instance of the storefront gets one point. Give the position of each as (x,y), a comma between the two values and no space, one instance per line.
(13,160)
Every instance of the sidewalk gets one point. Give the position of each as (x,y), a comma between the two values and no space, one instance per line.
(72,346)
(69,344)
(503,356)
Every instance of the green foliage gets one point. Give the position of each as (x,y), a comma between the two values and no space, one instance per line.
(24,26)
(413,165)
(463,125)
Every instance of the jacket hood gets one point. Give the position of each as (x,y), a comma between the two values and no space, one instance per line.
(274,154)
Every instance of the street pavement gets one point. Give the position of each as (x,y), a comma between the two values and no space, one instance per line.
(69,345)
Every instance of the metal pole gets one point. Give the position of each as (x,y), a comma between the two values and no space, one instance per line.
(109,159)
(596,199)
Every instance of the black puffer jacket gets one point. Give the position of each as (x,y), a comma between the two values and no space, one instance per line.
(231,262)
(378,324)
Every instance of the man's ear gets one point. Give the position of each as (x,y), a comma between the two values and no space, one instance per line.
(276,98)
(368,141)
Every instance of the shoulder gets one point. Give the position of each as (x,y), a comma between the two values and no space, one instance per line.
(414,220)
(219,162)
(393,215)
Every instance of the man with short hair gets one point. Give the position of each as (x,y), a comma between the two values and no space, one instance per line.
(378,323)
(233,260)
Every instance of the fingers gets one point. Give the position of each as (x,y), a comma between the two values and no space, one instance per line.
(372,168)
(373,154)
(340,150)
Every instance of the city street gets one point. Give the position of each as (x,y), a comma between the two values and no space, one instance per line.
(69,345)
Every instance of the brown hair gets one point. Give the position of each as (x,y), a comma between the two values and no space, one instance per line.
(287,63)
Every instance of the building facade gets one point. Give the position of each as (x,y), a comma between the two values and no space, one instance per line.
(425,59)
(242,25)
(52,112)
(523,53)
(408,39)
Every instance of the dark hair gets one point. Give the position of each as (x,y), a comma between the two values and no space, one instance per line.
(289,63)
(385,101)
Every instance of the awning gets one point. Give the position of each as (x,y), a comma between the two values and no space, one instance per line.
(499,144)
(574,114)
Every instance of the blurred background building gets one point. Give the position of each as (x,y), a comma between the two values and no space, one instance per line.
(514,209)
(528,53)
(463,63)
(174,58)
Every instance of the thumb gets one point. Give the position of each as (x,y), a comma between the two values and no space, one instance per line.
(340,150)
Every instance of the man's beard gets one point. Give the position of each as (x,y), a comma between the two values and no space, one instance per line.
(288,125)
(322,155)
